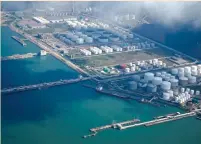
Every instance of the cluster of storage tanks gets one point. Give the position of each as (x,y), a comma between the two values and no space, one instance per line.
(86,24)
(102,35)
(145,45)
(77,37)
(105,49)
(121,33)
(167,83)
(143,65)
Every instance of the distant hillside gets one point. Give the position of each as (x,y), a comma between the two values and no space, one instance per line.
(187,39)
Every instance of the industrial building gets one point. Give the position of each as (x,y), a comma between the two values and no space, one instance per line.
(30,24)
(41,20)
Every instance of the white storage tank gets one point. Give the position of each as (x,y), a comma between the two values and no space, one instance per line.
(174,82)
(165,85)
(183,81)
(174,71)
(132,85)
(199,66)
(163,73)
(88,40)
(148,76)
(182,90)
(181,69)
(132,68)
(114,38)
(194,72)
(103,39)
(180,74)
(136,78)
(80,41)
(151,88)
(194,67)
(171,93)
(127,70)
(192,92)
(187,69)
(197,92)
(158,74)
(166,96)
(192,79)
(157,80)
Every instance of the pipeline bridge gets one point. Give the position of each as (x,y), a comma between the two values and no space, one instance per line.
(43,85)
(18,56)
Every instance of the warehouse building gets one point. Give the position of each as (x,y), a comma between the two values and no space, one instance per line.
(41,20)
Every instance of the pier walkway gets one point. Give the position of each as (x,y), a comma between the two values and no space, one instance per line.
(162,120)
(43,85)
(18,56)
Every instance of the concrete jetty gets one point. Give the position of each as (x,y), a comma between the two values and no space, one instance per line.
(18,56)
(158,121)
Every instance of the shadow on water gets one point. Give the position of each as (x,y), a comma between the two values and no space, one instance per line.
(185,39)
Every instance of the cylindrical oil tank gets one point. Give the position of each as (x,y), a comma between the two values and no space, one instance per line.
(167,78)
(88,40)
(199,66)
(80,41)
(163,76)
(187,74)
(183,81)
(158,74)
(171,93)
(172,77)
(176,92)
(132,85)
(194,72)
(127,70)
(197,92)
(114,38)
(174,82)
(157,80)
(180,74)
(192,92)
(187,90)
(168,75)
(148,76)
(174,71)
(96,36)
(192,79)
(130,35)
(163,73)
(165,85)
(103,39)
(151,88)
(182,90)
(166,96)
(136,78)
(187,69)
(181,69)
(194,67)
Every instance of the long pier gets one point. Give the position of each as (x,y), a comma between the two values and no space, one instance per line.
(161,120)
(134,122)
(43,85)
(18,56)
(114,125)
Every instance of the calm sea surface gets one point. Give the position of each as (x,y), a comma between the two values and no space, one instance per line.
(62,115)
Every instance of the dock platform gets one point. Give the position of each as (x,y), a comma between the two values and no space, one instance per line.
(21,41)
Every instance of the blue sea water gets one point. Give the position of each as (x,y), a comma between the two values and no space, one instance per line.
(61,115)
